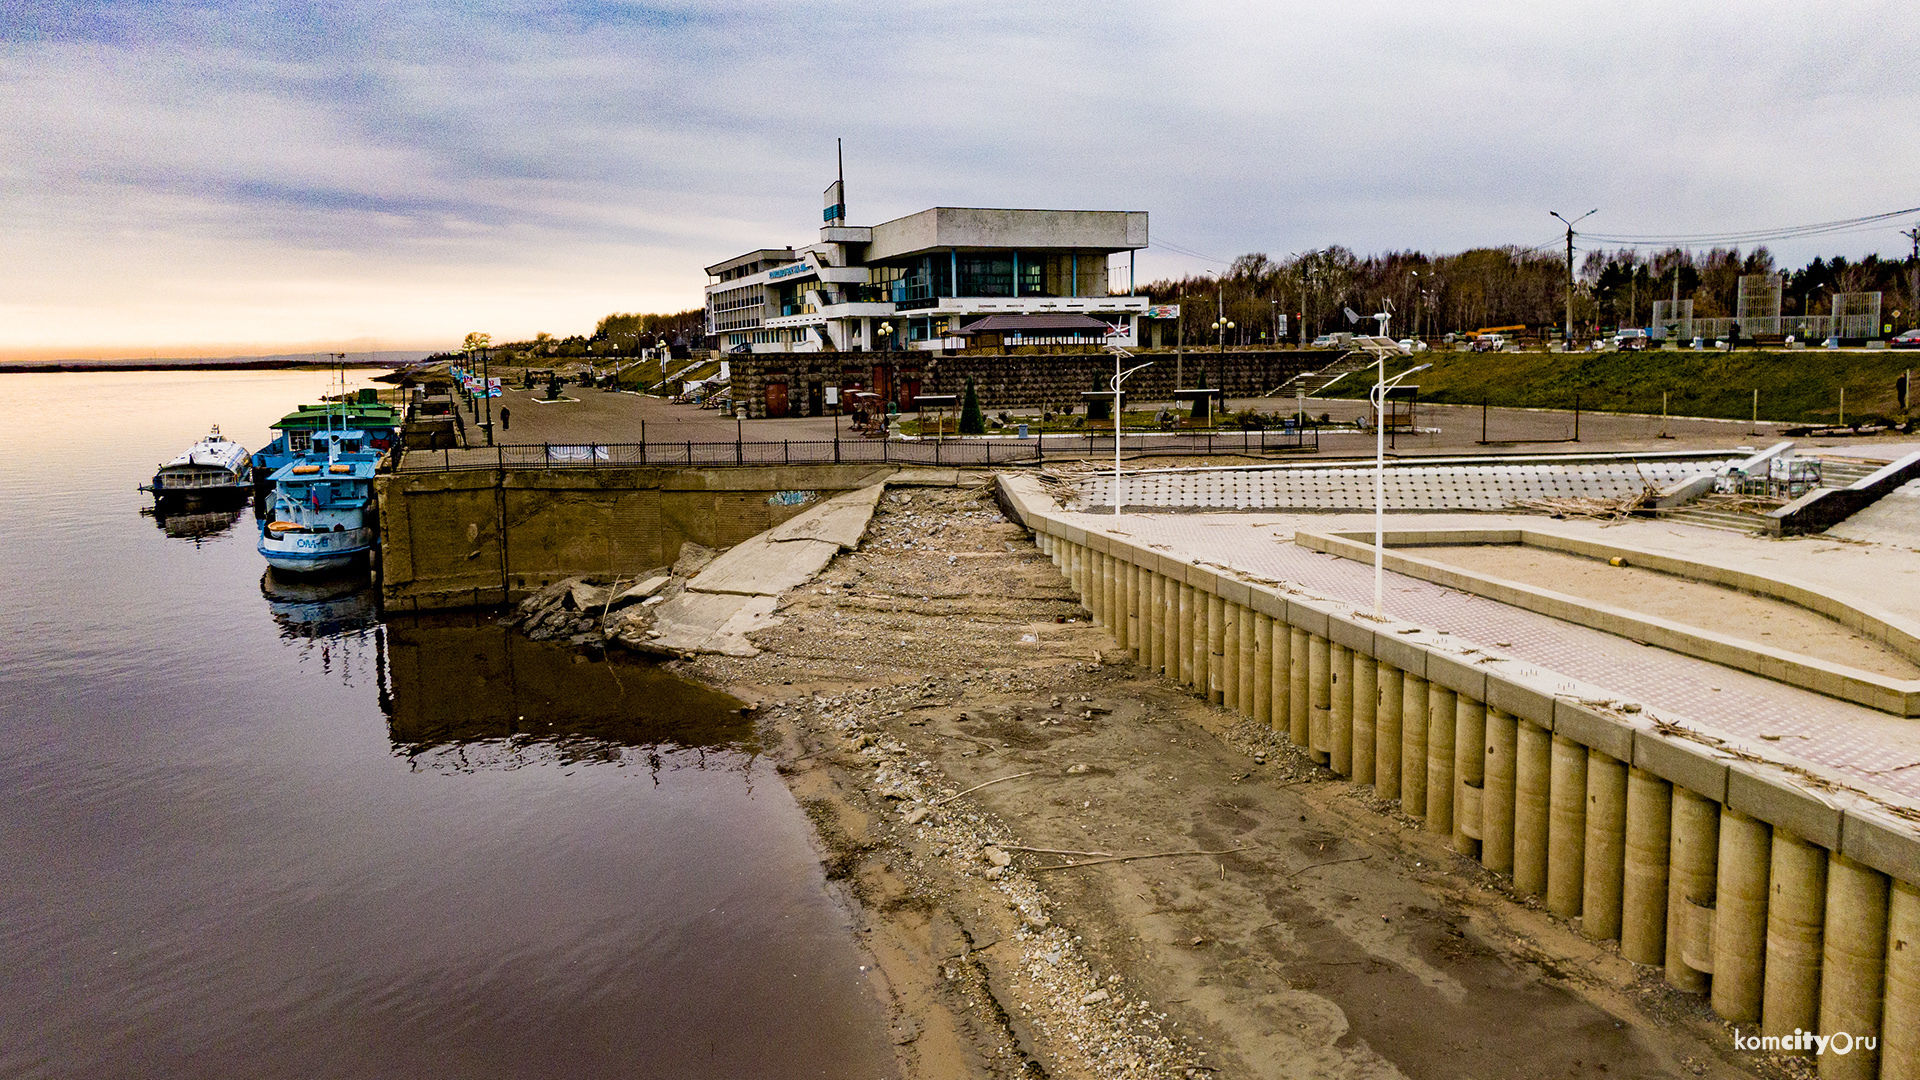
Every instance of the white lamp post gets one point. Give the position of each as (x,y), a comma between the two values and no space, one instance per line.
(1118,378)
(1379,395)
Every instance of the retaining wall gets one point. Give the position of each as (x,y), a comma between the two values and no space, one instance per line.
(1006,380)
(487,537)
(1787,898)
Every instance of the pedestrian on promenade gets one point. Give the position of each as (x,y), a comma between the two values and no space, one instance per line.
(506,418)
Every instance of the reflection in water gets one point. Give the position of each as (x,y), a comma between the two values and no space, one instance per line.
(196,525)
(332,620)
(469,696)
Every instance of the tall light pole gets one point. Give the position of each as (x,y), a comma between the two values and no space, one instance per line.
(1570,224)
(1118,378)
(1379,396)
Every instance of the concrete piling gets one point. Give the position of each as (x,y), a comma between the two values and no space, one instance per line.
(1605,857)
(1201,644)
(1469,774)
(1263,670)
(1366,704)
(1900,1017)
(1643,893)
(1386,730)
(1153,651)
(1740,915)
(1413,746)
(1796,916)
(1692,851)
(1282,675)
(1133,576)
(1248,661)
(1340,712)
(1228,660)
(1496,796)
(1532,772)
(1567,828)
(1319,695)
(1853,965)
(1181,663)
(1440,724)
(1299,703)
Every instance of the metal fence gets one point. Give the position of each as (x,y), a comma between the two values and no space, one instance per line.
(859,451)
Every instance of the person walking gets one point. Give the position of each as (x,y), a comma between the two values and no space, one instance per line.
(506,418)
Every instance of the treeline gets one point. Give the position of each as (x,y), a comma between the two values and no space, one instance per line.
(619,334)
(1433,295)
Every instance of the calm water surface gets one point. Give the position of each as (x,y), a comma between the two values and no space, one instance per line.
(248,830)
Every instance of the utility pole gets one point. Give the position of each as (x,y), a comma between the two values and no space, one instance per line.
(1913,274)
(1568,342)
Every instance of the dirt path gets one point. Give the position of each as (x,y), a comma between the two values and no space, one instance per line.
(1332,940)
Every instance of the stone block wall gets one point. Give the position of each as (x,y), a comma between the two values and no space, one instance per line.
(1003,380)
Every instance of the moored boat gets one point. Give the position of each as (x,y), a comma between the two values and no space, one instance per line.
(319,511)
(297,432)
(215,469)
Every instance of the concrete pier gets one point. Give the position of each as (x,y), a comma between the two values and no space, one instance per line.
(1413,745)
(1440,725)
(1853,965)
(1643,892)
(1386,730)
(1567,828)
(1340,709)
(1299,704)
(1496,802)
(1366,703)
(1694,849)
(1263,696)
(1532,771)
(1605,856)
(1469,774)
(1900,1024)
(1740,915)
(1319,695)
(1796,917)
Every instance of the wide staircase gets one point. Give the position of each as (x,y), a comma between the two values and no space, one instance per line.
(1733,513)
(1309,383)
(1748,513)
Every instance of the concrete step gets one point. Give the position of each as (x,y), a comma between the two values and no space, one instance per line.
(1730,520)
(1839,474)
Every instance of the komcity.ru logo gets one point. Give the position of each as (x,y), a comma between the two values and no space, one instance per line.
(1840,1042)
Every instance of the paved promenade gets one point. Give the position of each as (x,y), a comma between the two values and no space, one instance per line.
(1775,719)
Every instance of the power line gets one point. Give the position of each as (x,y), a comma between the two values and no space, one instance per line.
(1189,252)
(1756,235)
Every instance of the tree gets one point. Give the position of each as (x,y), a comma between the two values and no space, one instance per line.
(971,420)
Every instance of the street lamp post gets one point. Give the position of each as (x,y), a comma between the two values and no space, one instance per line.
(1568,342)
(1379,395)
(1118,378)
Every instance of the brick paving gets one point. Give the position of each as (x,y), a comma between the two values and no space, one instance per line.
(1406,486)
(1791,723)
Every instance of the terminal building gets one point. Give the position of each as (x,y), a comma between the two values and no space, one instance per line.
(941,279)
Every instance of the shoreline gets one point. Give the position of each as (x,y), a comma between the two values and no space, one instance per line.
(29,367)
(956,729)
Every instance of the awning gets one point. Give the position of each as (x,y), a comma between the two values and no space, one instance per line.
(1034,324)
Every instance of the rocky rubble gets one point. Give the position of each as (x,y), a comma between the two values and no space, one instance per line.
(589,611)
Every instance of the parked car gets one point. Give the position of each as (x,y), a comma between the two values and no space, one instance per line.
(1908,340)
(1489,343)
(1324,341)
(1630,339)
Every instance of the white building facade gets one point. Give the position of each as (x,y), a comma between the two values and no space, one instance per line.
(919,282)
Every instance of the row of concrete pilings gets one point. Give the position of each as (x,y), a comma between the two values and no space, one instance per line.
(1776,930)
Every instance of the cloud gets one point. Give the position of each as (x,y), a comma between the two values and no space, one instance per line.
(406,172)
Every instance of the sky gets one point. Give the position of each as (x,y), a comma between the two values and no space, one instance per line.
(221,177)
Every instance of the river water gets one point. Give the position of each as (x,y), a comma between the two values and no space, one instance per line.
(250,830)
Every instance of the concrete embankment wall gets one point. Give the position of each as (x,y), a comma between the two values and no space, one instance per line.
(1790,902)
(485,537)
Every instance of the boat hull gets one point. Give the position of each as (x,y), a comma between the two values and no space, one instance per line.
(315,553)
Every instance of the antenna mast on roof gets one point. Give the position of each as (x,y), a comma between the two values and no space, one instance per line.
(836,200)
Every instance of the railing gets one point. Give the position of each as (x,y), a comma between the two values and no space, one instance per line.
(959,451)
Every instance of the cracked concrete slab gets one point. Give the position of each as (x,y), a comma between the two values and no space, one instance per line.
(840,520)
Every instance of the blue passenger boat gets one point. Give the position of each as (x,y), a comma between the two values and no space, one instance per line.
(319,510)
